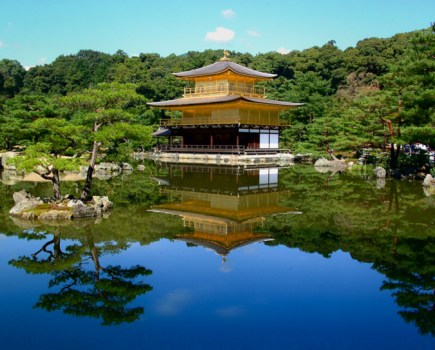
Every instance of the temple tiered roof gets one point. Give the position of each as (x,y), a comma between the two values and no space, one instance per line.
(222,67)
(221,99)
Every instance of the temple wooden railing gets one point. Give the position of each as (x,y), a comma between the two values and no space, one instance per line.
(224,89)
(202,149)
(218,149)
(222,120)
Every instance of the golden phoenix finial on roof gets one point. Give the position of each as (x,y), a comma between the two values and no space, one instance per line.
(226,56)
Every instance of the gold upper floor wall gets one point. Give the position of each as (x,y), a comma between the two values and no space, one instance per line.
(226,116)
(223,87)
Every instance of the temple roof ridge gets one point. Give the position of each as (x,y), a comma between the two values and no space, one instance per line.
(222,66)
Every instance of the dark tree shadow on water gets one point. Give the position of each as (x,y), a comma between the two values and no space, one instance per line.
(84,287)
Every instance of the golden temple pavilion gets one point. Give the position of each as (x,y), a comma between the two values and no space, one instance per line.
(224,112)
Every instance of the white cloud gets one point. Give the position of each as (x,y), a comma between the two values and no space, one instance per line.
(253,32)
(173,303)
(283,51)
(220,35)
(2,44)
(27,67)
(228,13)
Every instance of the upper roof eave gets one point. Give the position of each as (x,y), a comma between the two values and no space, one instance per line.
(221,67)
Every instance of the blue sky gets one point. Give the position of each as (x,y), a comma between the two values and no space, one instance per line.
(37,31)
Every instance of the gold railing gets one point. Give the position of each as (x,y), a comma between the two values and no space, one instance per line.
(228,120)
(224,89)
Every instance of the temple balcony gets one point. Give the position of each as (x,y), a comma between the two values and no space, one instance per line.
(224,89)
(224,120)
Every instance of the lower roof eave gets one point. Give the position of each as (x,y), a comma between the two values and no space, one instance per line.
(192,102)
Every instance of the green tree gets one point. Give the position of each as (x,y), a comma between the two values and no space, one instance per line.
(70,73)
(56,137)
(17,114)
(105,112)
(12,75)
(410,90)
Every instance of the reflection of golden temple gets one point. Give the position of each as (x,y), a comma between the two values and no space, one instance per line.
(238,208)
(224,206)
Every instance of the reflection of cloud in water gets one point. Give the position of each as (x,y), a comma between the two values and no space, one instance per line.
(225,267)
(230,311)
(173,303)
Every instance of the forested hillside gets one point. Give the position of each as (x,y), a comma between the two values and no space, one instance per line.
(377,93)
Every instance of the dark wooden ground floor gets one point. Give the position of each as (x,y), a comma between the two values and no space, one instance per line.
(235,139)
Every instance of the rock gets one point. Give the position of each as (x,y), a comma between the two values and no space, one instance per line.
(21,196)
(429,181)
(48,210)
(380,182)
(105,171)
(107,168)
(28,215)
(25,204)
(104,176)
(303,158)
(10,167)
(74,202)
(83,211)
(429,190)
(54,215)
(323,162)
(380,172)
(323,170)
(4,159)
(126,167)
(102,202)
(141,167)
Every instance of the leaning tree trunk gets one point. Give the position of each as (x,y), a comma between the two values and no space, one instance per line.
(87,189)
(55,181)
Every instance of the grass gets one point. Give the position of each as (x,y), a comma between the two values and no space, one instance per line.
(42,208)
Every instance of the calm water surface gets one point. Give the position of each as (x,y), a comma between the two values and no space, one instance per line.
(225,258)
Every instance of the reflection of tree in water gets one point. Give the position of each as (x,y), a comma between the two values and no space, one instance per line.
(411,278)
(410,272)
(394,232)
(100,292)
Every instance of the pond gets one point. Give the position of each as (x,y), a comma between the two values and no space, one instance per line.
(196,257)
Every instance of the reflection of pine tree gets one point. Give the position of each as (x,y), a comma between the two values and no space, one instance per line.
(50,257)
(103,292)
(411,277)
(410,272)
(105,297)
(387,228)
